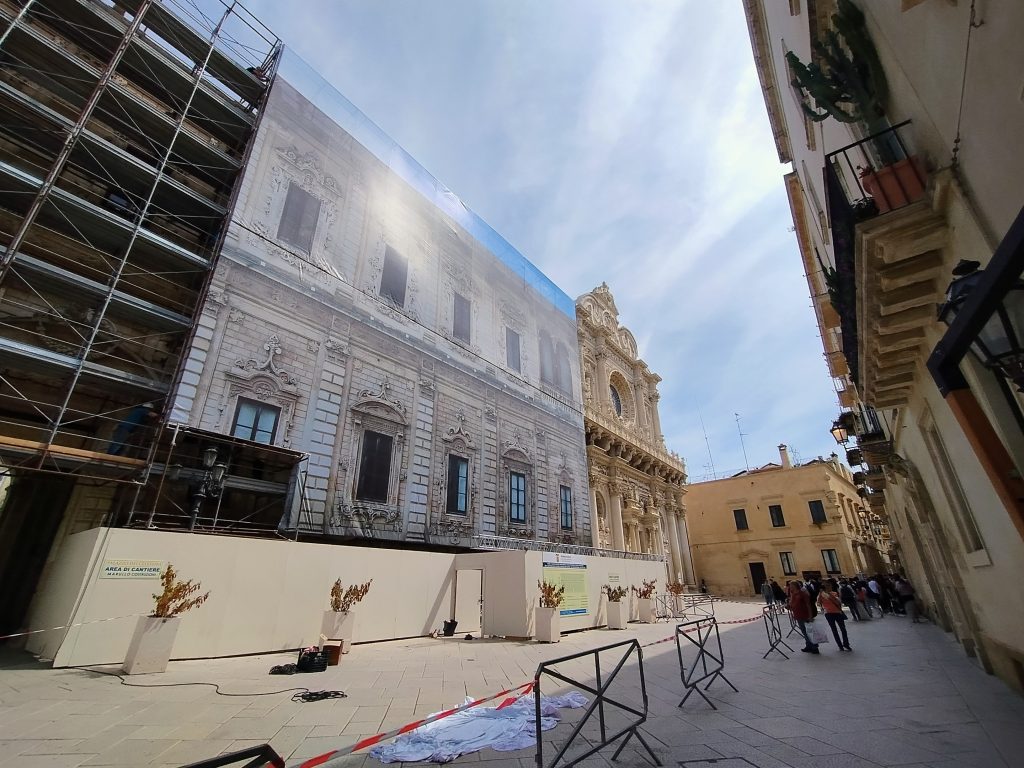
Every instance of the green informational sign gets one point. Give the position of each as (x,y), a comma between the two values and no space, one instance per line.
(569,571)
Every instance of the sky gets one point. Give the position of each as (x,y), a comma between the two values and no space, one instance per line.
(617,142)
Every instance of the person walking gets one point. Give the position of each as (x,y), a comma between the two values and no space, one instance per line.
(873,597)
(778,592)
(766,592)
(800,607)
(849,598)
(908,599)
(832,606)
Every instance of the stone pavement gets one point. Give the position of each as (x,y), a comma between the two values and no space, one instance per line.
(907,696)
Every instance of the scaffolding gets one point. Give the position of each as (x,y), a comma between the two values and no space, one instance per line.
(125,128)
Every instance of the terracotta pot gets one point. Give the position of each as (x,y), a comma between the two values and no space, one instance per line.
(150,648)
(616,615)
(549,625)
(896,185)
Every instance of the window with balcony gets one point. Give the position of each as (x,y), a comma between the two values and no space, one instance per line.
(788,563)
(775,512)
(299,218)
(255,421)
(458,485)
(818,515)
(374,467)
(394,276)
(740,516)
(831,558)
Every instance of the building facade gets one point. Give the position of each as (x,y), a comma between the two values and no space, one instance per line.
(884,212)
(636,484)
(783,521)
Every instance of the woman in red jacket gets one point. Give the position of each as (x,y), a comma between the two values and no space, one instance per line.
(799,604)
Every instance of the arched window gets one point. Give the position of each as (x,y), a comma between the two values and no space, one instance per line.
(616,400)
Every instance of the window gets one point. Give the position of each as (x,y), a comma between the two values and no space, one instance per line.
(547,358)
(563,369)
(299,218)
(616,400)
(255,421)
(953,491)
(788,563)
(458,485)
(817,511)
(374,467)
(393,276)
(517,497)
(565,496)
(741,519)
(831,560)
(512,350)
(775,510)
(460,325)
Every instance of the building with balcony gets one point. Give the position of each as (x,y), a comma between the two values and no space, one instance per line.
(783,521)
(636,484)
(903,184)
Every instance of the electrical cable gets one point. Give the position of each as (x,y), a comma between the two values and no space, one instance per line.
(304,695)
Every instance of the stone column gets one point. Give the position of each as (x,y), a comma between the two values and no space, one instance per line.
(655,397)
(673,545)
(684,546)
(615,516)
(639,385)
(595,520)
(604,397)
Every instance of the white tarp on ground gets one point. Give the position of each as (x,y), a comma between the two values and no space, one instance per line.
(474,729)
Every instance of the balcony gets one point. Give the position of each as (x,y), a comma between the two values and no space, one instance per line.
(888,245)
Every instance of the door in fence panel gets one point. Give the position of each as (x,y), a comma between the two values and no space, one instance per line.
(701,659)
(612,677)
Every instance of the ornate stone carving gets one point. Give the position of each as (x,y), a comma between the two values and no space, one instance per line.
(515,444)
(337,350)
(271,348)
(427,388)
(383,397)
(459,432)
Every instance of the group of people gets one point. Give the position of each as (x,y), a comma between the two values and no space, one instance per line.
(864,597)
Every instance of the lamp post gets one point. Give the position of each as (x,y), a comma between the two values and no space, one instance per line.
(998,343)
(840,433)
(210,486)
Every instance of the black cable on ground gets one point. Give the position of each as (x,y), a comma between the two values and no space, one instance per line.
(301,694)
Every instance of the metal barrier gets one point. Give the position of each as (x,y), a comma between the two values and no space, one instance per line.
(684,606)
(603,704)
(262,756)
(707,664)
(794,628)
(771,614)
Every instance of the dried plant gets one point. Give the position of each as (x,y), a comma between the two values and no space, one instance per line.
(615,594)
(343,599)
(647,590)
(676,587)
(550,595)
(176,598)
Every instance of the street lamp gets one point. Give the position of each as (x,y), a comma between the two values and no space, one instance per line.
(997,344)
(840,433)
(211,484)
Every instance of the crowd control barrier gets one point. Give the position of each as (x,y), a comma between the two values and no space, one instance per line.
(262,756)
(773,628)
(684,606)
(616,717)
(708,660)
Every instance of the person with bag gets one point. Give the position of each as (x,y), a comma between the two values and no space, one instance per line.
(832,606)
(800,607)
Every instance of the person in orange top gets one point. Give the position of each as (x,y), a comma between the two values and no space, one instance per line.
(832,606)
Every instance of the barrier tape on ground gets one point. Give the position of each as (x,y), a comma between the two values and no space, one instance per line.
(69,626)
(323,759)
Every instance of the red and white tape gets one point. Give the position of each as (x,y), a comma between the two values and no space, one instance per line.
(69,626)
(326,758)
(670,638)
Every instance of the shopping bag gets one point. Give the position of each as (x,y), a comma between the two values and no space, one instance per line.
(817,632)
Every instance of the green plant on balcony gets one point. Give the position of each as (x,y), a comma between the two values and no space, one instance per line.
(849,85)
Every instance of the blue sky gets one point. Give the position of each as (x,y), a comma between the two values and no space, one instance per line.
(624,142)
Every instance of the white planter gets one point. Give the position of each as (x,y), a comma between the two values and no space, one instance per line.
(646,608)
(617,615)
(339,625)
(549,625)
(150,648)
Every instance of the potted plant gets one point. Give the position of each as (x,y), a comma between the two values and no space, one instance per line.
(850,86)
(339,622)
(676,589)
(645,593)
(150,647)
(547,616)
(616,608)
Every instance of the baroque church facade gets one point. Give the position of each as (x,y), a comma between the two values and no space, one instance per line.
(637,486)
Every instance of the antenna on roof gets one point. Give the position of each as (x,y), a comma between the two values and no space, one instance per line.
(714,475)
(744,447)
